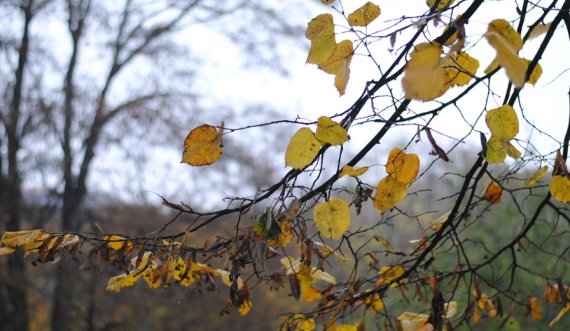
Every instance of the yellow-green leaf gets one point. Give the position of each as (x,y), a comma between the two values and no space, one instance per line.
(302,149)
(560,188)
(350,171)
(503,122)
(536,176)
(320,32)
(364,15)
(424,77)
(332,218)
(389,193)
(202,146)
(330,132)
(390,272)
(496,151)
(404,167)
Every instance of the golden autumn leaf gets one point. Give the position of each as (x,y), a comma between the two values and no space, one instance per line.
(202,146)
(442,3)
(332,218)
(302,149)
(309,293)
(306,325)
(326,251)
(438,222)
(330,132)
(245,307)
(284,237)
(534,309)
(460,68)
(225,277)
(535,74)
(374,302)
(560,188)
(19,238)
(404,167)
(561,314)
(538,175)
(350,171)
(424,76)
(338,64)
(117,283)
(327,2)
(6,250)
(364,15)
(389,193)
(305,273)
(117,242)
(409,321)
(507,42)
(320,32)
(388,273)
(503,122)
(493,193)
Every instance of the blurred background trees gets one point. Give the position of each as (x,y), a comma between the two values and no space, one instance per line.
(85,84)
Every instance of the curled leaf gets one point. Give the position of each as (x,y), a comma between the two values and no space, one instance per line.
(350,171)
(202,146)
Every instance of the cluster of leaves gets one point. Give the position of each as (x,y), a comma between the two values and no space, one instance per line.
(311,246)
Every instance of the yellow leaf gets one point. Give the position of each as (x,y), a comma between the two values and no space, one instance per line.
(560,188)
(306,274)
(302,149)
(375,302)
(388,273)
(503,122)
(225,277)
(346,327)
(309,293)
(493,193)
(6,250)
(327,2)
(536,72)
(389,193)
(535,311)
(559,316)
(202,146)
(404,167)
(332,218)
(330,132)
(339,65)
(507,42)
(245,307)
(350,171)
(460,69)
(424,77)
(19,238)
(285,236)
(408,321)
(536,176)
(306,325)
(384,243)
(512,151)
(364,15)
(320,32)
(326,251)
(114,242)
(442,3)
(492,66)
(117,283)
